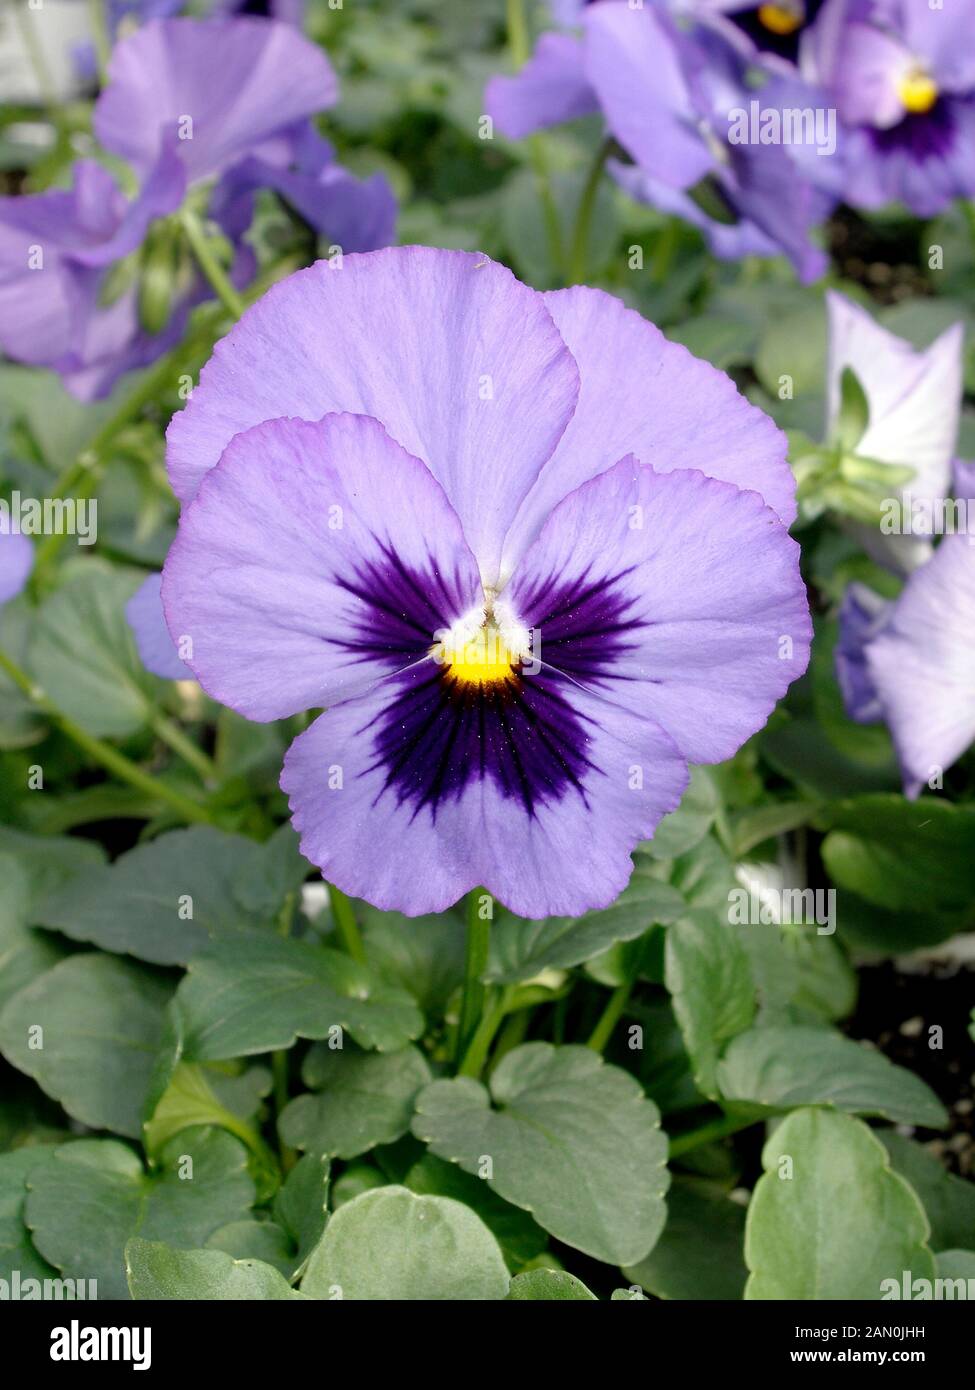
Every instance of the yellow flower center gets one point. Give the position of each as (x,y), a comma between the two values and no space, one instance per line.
(782,19)
(918,91)
(485,658)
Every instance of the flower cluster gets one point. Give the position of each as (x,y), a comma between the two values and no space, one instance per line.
(99,279)
(751,122)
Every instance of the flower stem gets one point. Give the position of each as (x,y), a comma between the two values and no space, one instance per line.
(714,1129)
(279,1059)
(610,1016)
(172,735)
(110,758)
(583,222)
(208,263)
(480,1043)
(475,963)
(346,924)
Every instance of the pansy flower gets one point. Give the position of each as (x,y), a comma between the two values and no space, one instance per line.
(79,271)
(671,96)
(911,662)
(914,403)
(156,648)
(530,557)
(902,75)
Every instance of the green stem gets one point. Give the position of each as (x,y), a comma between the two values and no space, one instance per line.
(609,1017)
(519,41)
(110,758)
(99,33)
(346,924)
(279,1059)
(208,263)
(587,203)
(172,735)
(512,1035)
(714,1129)
(480,1043)
(475,963)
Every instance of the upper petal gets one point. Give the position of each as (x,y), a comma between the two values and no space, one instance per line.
(460,362)
(644,395)
(689,598)
(227,83)
(316,559)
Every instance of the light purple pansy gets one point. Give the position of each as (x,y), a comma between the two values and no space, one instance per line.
(914,398)
(157,650)
(668,94)
(530,556)
(911,662)
(16,563)
(178,118)
(902,75)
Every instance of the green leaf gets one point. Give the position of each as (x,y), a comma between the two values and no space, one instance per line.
(300,1204)
(954,1265)
(854,414)
(699,1254)
(520,1237)
(688,825)
(24,952)
(165,900)
(392,1244)
(83,652)
(190,1099)
(574,1141)
(363,1099)
(257,994)
(521,949)
(780,1068)
(829,1219)
(16,1248)
(948,1201)
(256,1239)
(49,860)
(553,1285)
(100,1022)
(423,954)
(85,1204)
(908,856)
(709,978)
(793,344)
(158,1272)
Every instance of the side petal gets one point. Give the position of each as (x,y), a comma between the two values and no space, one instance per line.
(552,87)
(644,395)
(221,86)
(411,812)
(923,664)
(157,651)
(16,563)
(698,613)
(459,361)
(316,559)
(862,616)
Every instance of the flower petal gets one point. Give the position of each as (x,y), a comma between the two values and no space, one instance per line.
(460,362)
(923,664)
(468,805)
(16,563)
(266,78)
(862,615)
(552,87)
(644,395)
(316,559)
(695,585)
(157,651)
